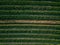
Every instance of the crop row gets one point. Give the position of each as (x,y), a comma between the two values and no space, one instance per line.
(38,12)
(32,0)
(41,3)
(34,32)
(27,44)
(28,7)
(39,27)
(15,43)
(27,26)
(24,40)
(53,36)
(30,17)
(34,29)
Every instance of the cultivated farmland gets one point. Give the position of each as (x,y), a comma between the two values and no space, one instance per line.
(29,22)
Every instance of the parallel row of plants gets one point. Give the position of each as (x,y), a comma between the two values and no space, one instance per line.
(41,3)
(29,7)
(27,12)
(29,40)
(31,0)
(29,33)
(30,17)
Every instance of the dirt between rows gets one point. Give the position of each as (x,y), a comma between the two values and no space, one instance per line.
(31,21)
